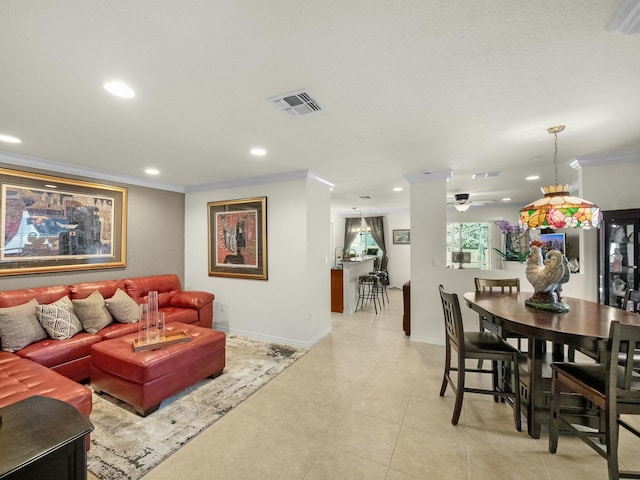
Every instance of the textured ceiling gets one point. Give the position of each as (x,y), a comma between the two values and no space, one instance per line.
(404,86)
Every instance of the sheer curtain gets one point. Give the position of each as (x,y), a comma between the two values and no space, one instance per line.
(351,229)
(377,231)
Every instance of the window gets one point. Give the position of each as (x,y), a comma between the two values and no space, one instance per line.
(472,239)
(363,242)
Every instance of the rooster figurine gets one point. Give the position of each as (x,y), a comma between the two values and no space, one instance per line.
(547,276)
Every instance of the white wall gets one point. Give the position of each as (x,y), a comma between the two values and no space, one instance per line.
(428,259)
(293,305)
(399,266)
(611,187)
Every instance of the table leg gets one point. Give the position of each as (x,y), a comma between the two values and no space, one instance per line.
(535,357)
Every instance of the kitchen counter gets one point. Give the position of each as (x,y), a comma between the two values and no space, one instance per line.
(351,270)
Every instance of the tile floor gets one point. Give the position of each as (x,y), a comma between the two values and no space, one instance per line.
(363,403)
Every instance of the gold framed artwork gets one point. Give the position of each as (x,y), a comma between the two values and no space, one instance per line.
(53,224)
(238,238)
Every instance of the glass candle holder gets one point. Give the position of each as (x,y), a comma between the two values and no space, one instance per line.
(160,324)
(143,324)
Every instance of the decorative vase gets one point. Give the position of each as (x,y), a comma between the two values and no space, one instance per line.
(513,266)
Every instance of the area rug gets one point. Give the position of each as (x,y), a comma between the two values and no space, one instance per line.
(126,446)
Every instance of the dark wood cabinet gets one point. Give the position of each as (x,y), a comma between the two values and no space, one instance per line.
(406,303)
(618,255)
(337,291)
(41,437)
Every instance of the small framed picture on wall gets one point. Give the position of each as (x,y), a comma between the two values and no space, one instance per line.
(402,237)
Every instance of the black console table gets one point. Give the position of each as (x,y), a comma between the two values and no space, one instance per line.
(41,437)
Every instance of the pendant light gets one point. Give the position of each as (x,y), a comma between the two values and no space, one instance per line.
(364,228)
(558,208)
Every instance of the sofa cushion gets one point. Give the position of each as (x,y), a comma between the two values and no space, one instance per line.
(117,329)
(92,312)
(182,315)
(21,378)
(59,319)
(11,298)
(107,288)
(123,308)
(49,352)
(19,326)
(166,286)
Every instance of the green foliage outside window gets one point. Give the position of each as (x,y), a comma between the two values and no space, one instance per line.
(472,237)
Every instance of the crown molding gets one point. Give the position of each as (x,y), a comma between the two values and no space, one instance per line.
(604,159)
(261,180)
(626,19)
(94,174)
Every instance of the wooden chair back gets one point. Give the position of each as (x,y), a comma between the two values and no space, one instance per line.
(623,388)
(631,301)
(453,325)
(503,285)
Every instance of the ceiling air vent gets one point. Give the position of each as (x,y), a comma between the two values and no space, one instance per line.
(365,197)
(483,175)
(296,104)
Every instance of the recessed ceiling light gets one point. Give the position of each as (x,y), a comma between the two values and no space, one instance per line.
(533,177)
(152,171)
(398,189)
(506,199)
(258,152)
(10,139)
(48,185)
(119,89)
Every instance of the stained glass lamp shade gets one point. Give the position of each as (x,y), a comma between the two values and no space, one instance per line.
(559,209)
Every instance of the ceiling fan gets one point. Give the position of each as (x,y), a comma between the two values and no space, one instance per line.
(462,202)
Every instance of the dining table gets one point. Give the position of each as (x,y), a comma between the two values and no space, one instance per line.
(585,327)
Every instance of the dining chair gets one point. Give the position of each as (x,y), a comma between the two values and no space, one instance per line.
(502,285)
(478,346)
(631,301)
(612,388)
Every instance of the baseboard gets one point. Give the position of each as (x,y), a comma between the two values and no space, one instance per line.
(429,340)
(270,338)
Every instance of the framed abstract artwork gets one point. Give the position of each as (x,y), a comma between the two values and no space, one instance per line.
(402,237)
(238,238)
(53,224)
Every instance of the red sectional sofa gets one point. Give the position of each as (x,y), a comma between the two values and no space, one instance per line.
(52,367)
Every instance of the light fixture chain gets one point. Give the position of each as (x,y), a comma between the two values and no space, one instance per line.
(555,158)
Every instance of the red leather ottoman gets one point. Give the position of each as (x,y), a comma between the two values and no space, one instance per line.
(143,379)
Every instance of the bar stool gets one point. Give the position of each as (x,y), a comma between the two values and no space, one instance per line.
(380,271)
(368,289)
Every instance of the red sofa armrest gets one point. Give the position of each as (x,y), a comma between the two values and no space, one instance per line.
(200,301)
(191,299)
